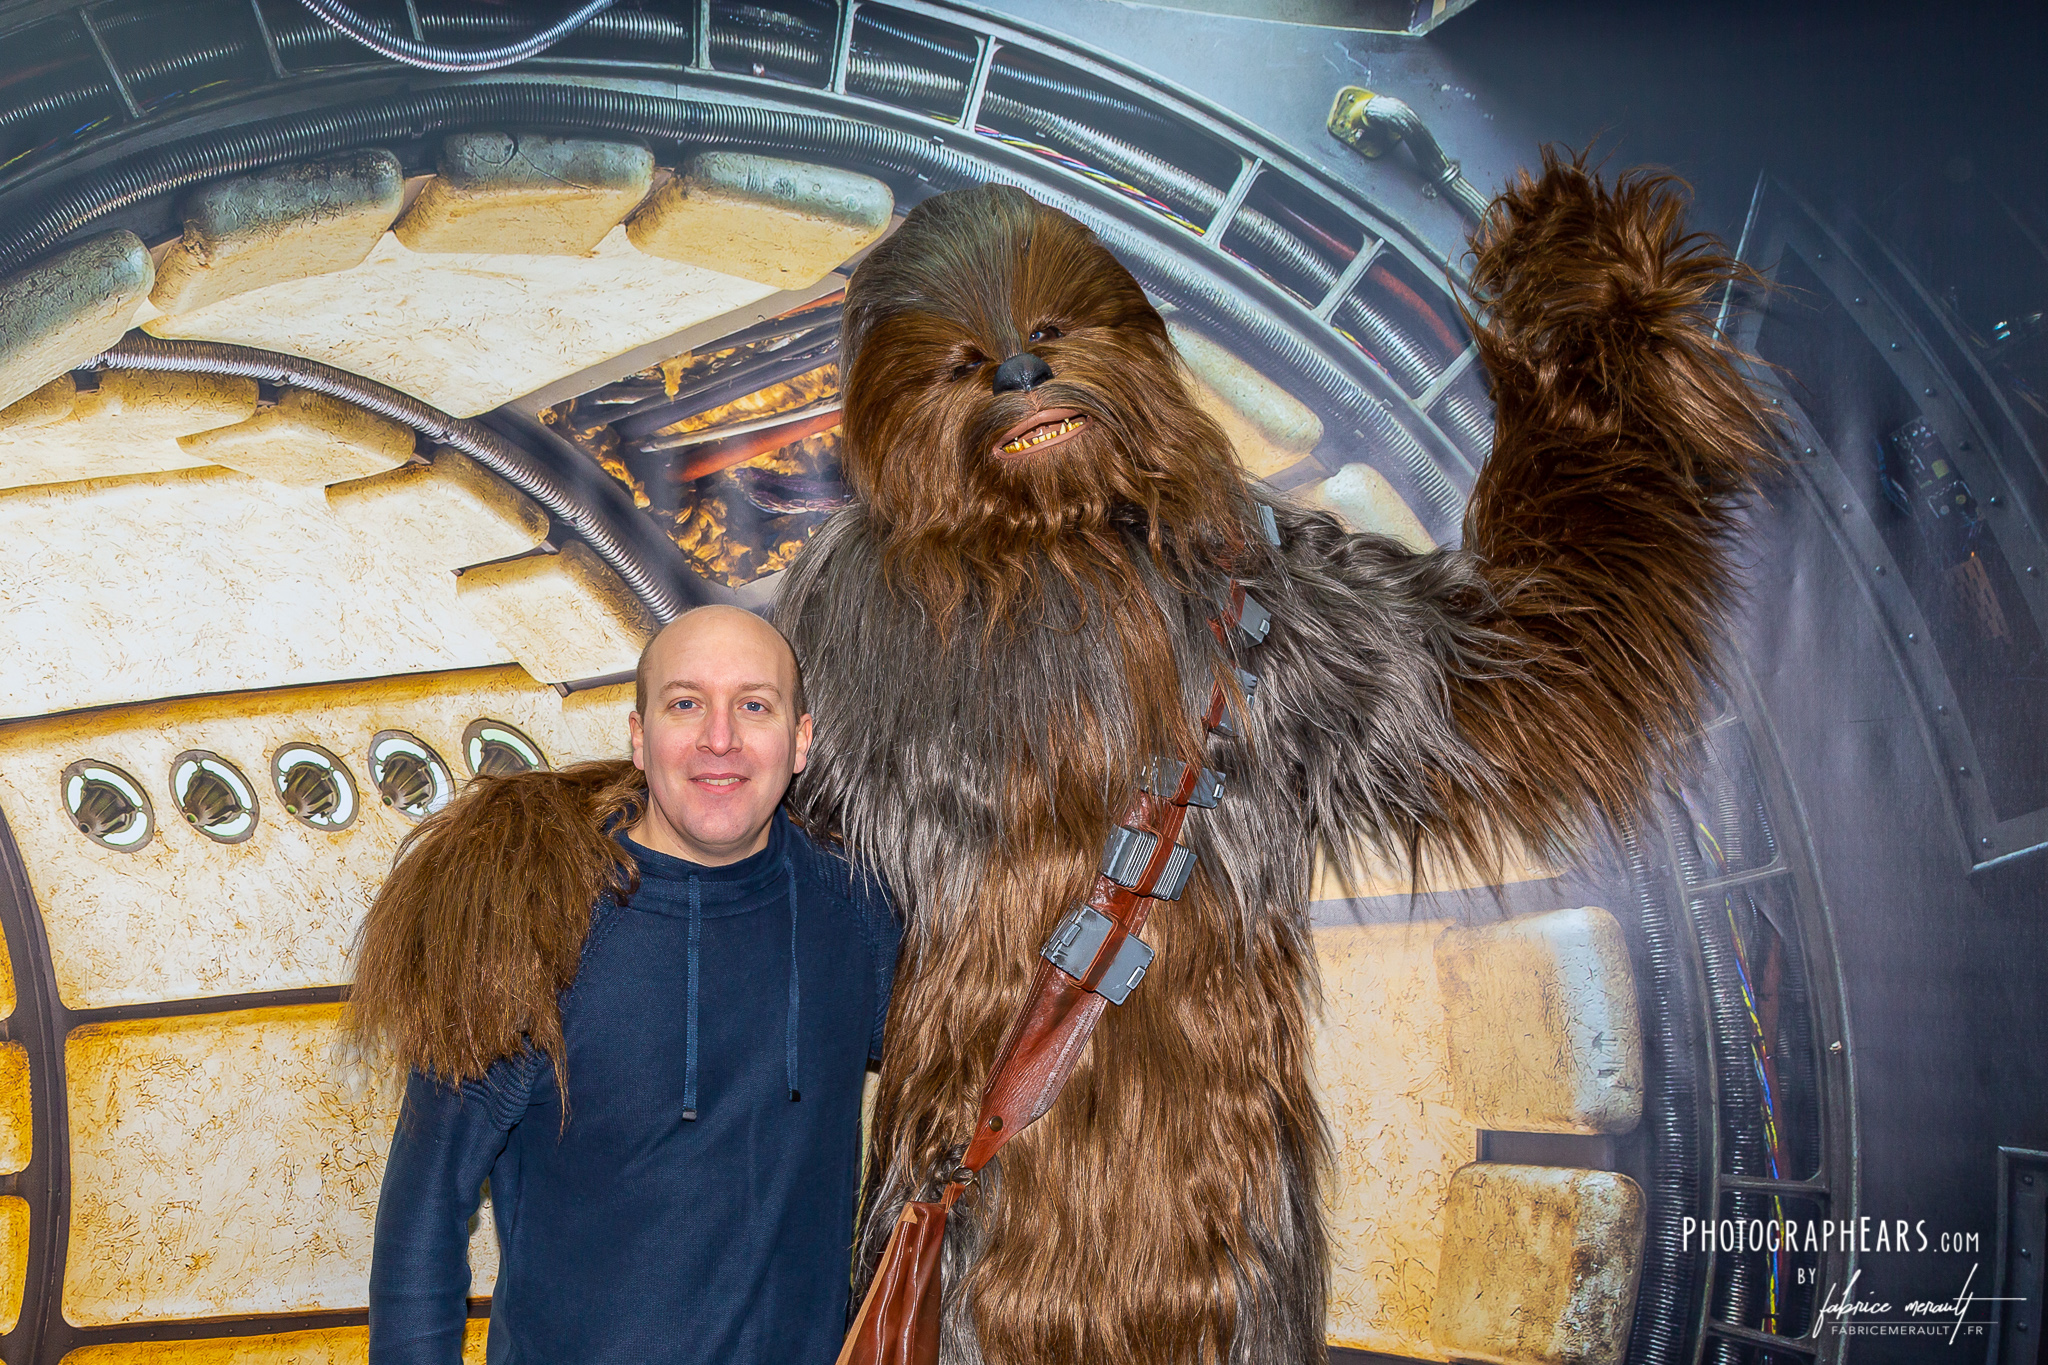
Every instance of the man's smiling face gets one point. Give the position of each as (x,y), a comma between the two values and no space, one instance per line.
(719,732)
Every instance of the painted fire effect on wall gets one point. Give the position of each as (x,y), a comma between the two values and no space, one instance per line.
(733,449)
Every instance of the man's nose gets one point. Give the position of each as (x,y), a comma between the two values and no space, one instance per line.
(1021,373)
(719,734)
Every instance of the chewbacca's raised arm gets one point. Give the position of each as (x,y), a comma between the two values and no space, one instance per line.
(1567,644)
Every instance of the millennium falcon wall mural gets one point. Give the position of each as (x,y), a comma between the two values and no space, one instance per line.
(360,419)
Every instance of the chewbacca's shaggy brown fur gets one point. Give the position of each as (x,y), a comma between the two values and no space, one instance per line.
(480,926)
(995,647)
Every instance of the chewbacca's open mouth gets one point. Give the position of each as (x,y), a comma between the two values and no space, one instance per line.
(1047,427)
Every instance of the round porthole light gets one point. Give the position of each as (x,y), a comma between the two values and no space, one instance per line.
(409,775)
(314,786)
(107,805)
(494,749)
(216,798)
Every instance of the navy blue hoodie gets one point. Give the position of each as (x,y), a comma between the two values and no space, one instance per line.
(635,1234)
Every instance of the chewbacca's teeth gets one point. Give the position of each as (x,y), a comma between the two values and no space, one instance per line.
(1039,435)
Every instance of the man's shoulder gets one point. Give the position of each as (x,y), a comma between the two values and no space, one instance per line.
(830,870)
(826,862)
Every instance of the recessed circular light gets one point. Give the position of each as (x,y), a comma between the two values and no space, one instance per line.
(494,749)
(217,800)
(107,805)
(409,775)
(314,786)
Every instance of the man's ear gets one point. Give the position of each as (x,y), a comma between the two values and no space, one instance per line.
(803,744)
(639,736)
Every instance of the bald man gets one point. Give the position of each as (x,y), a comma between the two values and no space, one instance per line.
(694,1200)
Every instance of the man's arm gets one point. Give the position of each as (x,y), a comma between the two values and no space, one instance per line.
(884,934)
(447,1140)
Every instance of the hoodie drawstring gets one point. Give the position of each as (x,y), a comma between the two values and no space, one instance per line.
(690,1024)
(789,1051)
(795,996)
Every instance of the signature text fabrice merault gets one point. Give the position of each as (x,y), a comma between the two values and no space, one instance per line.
(1921,1317)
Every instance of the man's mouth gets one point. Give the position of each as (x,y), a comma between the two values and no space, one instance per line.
(1047,427)
(719,781)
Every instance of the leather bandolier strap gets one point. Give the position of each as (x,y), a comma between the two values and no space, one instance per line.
(1093,959)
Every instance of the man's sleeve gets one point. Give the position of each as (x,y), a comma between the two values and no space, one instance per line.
(447,1140)
(884,934)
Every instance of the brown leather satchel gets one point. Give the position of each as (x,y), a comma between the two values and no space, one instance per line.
(1094,958)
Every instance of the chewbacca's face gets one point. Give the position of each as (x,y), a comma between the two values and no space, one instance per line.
(1011,395)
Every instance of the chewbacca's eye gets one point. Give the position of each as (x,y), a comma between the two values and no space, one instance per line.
(1046,333)
(965,368)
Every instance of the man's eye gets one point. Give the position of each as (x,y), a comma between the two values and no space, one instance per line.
(754,706)
(1046,333)
(681,702)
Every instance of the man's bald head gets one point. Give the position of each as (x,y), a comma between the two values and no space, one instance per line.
(719,728)
(707,622)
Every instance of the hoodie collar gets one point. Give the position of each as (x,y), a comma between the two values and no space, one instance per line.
(729,889)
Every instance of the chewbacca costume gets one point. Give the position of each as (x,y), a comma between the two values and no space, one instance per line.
(1017,615)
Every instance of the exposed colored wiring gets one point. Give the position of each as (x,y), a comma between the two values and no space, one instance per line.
(80,131)
(1759,1051)
(1059,158)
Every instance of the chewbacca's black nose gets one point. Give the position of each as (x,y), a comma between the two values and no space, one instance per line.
(1022,371)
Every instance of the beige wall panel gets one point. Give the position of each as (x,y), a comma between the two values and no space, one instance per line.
(761,218)
(1377,875)
(594,720)
(467,332)
(1268,427)
(444,515)
(220,1164)
(284,223)
(1539,1265)
(206,581)
(69,308)
(562,616)
(13,1259)
(1363,499)
(130,424)
(7,996)
(526,194)
(306,439)
(185,917)
(1544,1036)
(50,403)
(17,1118)
(1380,1064)
(328,1346)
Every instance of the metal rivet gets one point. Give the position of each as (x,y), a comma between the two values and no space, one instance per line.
(1986,841)
(995,1123)
(1809,450)
(1859,298)
(1845,507)
(1835,1046)
(2026,1253)
(2027,1180)
(1964,771)
(1941,710)
(2032,569)
(1962,445)
(1820,255)
(1895,345)
(1994,500)
(1878,569)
